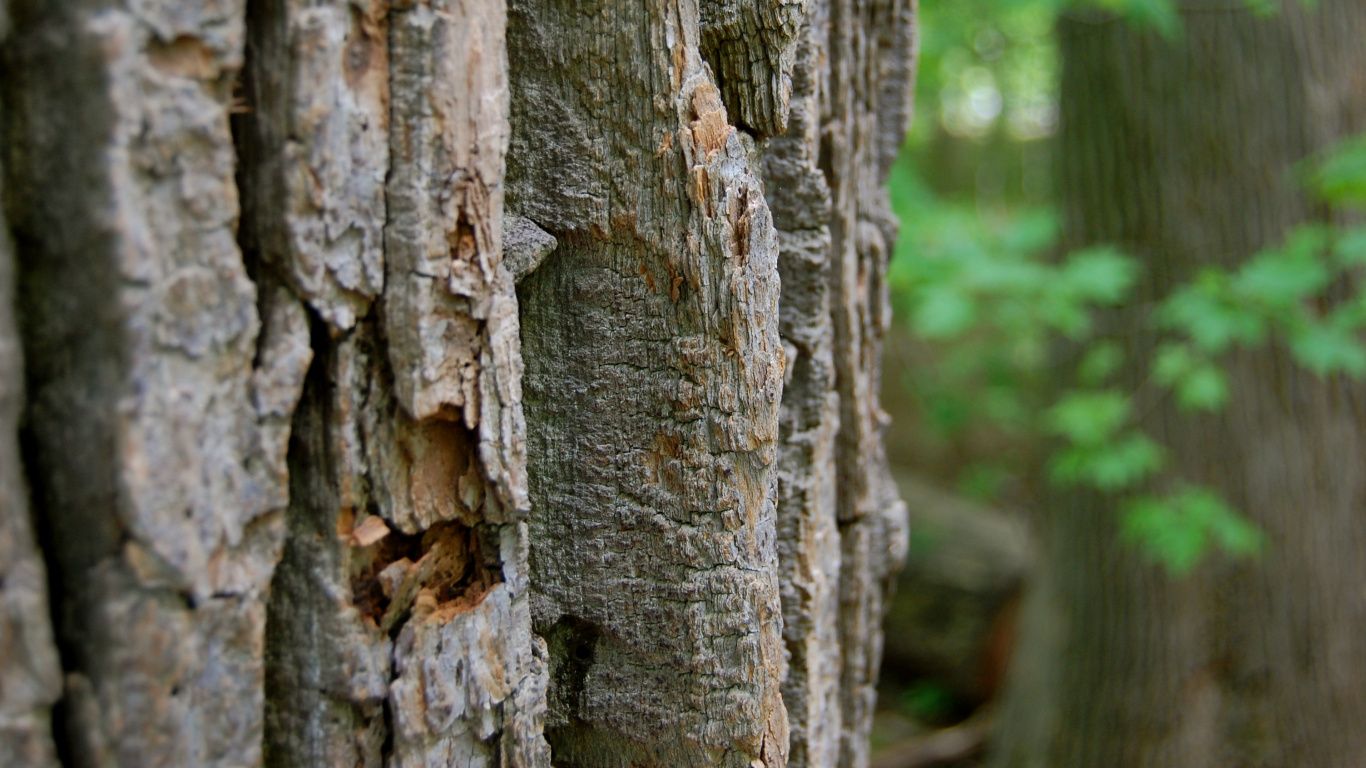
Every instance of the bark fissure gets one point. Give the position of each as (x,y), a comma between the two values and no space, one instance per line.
(842,529)
(153,409)
(31,713)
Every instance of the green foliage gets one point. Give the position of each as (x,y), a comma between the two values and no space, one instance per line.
(1199,384)
(979,286)
(1177,530)
(1341,177)
(1278,293)
(1160,15)
(927,701)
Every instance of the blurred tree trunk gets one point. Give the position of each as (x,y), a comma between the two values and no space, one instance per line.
(1182,153)
(294,506)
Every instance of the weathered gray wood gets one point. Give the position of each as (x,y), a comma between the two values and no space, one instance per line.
(314,149)
(808,536)
(871,53)
(399,630)
(750,46)
(653,379)
(525,246)
(29,666)
(842,529)
(156,396)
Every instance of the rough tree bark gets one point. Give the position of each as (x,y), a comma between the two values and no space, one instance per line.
(1171,151)
(294,508)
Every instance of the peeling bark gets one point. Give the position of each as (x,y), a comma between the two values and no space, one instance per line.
(751,45)
(314,149)
(399,631)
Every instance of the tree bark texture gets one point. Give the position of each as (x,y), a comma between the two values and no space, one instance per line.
(1175,152)
(295,506)
(29,665)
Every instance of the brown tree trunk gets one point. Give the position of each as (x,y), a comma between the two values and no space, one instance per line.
(1181,153)
(295,509)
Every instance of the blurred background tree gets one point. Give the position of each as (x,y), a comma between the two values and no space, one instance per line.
(1179,322)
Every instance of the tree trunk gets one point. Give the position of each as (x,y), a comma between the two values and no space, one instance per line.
(29,667)
(1182,154)
(295,508)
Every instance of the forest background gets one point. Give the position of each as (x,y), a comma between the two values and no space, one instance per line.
(1004,366)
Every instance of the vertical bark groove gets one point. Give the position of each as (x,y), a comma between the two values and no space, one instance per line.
(155,449)
(29,662)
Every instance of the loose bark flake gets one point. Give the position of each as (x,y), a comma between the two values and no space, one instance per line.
(751,46)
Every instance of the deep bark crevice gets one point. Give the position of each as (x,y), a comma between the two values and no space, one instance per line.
(69,337)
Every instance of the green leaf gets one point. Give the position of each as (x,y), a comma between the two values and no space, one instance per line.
(1262,7)
(1341,176)
(1065,314)
(1326,349)
(1179,529)
(1088,418)
(1279,278)
(1350,247)
(927,701)
(1204,389)
(944,313)
(1159,15)
(1199,384)
(1110,467)
(1099,363)
(1172,363)
(1166,535)
(1100,275)
(1205,312)
(1236,535)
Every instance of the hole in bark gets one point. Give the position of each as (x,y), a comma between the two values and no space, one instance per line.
(441,570)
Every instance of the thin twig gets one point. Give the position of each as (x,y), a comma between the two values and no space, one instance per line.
(955,743)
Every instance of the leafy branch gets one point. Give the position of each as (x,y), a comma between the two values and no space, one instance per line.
(994,304)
